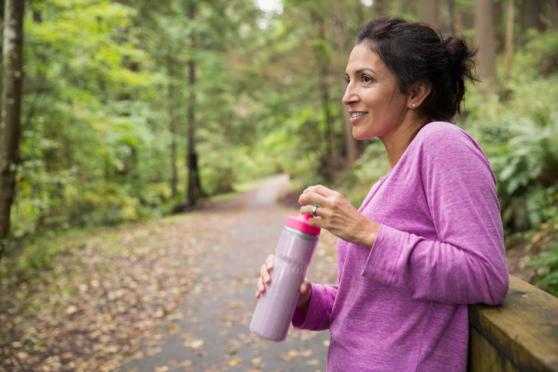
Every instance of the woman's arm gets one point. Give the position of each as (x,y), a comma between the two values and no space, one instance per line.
(466,263)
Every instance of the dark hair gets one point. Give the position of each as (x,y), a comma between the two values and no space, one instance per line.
(416,52)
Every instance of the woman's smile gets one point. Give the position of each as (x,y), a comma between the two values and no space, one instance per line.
(356,116)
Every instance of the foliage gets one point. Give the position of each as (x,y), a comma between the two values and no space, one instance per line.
(95,147)
(546,270)
(87,114)
(520,136)
(519,132)
(527,169)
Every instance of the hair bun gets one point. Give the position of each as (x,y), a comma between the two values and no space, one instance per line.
(454,46)
(460,57)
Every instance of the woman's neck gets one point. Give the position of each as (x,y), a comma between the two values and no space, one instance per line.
(397,141)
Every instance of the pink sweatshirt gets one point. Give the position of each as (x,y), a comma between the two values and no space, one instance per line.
(402,305)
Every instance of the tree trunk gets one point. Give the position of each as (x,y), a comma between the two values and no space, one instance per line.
(508,55)
(534,12)
(361,14)
(553,13)
(428,11)
(37,16)
(194,190)
(10,124)
(450,6)
(330,158)
(457,27)
(486,57)
(379,8)
(173,127)
(350,143)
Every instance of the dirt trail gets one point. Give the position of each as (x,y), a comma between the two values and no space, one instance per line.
(211,332)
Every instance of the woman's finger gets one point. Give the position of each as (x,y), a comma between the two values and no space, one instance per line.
(321,211)
(312,197)
(319,189)
(261,288)
(264,274)
(269,262)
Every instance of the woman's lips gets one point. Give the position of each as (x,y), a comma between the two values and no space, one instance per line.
(355,116)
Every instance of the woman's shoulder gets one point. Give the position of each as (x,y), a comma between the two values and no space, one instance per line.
(439,135)
(447,145)
(440,130)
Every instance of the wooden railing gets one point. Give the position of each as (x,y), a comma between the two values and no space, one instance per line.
(520,335)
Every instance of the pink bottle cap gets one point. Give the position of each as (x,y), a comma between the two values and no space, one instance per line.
(300,223)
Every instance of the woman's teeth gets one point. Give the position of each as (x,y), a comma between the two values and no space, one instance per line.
(355,115)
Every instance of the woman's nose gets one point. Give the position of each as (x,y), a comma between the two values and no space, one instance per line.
(349,96)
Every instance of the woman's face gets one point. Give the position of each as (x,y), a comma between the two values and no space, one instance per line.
(376,106)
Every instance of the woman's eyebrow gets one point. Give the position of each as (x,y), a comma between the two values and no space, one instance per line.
(361,70)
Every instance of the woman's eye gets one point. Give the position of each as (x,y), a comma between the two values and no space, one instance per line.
(366,79)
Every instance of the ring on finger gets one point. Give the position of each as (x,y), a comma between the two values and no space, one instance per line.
(315,211)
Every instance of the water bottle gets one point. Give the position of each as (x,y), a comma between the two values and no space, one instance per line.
(275,309)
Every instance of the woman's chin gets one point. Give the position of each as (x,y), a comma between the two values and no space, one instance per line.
(362,136)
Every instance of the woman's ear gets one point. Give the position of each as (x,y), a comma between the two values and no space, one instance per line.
(418,93)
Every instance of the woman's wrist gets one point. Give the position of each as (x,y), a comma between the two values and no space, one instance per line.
(368,233)
(306,303)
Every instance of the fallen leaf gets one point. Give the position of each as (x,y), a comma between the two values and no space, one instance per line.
(194,344)
(173,328)
(234,362)
(306,353)
(289,355)
(313,362)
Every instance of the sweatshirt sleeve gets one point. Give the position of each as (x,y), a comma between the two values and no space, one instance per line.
(318,315)
(466,264)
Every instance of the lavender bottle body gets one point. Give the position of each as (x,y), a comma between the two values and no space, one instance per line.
(275,309)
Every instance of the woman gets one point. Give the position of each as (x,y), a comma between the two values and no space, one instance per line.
(427,240)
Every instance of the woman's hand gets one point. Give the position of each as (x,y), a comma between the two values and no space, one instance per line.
(305,289)
(337,215)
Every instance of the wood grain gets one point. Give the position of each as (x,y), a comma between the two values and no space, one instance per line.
(522,334)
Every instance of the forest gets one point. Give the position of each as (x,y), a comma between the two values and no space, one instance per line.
(131,110)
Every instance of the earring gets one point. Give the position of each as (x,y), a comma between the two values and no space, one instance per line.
(413,105)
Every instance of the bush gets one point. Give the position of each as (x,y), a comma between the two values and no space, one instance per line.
(527,171)
(546,270)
